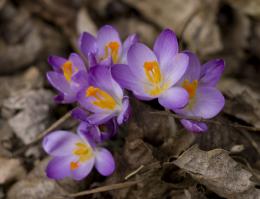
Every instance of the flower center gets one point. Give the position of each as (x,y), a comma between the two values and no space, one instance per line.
(68,70)
(154,76)
(83,152)
(190,87)
(102,98)
(112,48)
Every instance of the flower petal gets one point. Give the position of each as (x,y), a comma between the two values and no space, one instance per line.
(87,44)
(137,55)
(193,70)
(79,114)
(166,47)
(126,79)
(59,167)
(174,71)
(100,118)
(60,143)
(101,77)
(175,97)
(130,40)
(125,113)
(77,62)
(194,127)
(104,163)
(211,72)
(58,81)
(105,35)
(208,103)
(83,170)
(56,62)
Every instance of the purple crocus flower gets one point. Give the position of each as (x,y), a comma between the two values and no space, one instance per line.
(99,133)
(151,75)
(103,97)
(205,100)
(75,156)
(68,76)
(106,48)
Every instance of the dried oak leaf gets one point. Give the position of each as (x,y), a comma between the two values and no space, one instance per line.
(219,173)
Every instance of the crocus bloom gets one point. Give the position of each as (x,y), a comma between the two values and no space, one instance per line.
(151,75)
(75,156)
(205,100)
(106,48)
(103,97)
(99,133)
(68,76)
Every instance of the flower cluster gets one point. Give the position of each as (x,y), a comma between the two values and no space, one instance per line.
(177,79)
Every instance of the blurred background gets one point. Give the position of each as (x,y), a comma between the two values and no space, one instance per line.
(31,30)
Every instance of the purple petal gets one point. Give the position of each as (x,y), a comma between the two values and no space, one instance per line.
(130,40)
(101,77)
(60,143)
(59,98)
(87,102)
(58,81)
(92,60)
(56,62)
(126,79)
(104,163)
(208,103)
(211,72)
(174,71)
(105,35)
(137,55)
(77,62)
(81,79)
(79,114)
(110,130)
(100,118)
(86,132)
(87,44)
(125,113)
(194,127)
(59,167)
(175,97)
(194,69)
(83,170)
(166,47)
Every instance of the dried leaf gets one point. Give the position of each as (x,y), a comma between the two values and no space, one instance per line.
(219,173)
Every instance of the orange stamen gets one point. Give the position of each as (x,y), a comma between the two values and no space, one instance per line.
(153,72)
(67,70)
(74,165)
(190,87)
(103,99)
(114,50)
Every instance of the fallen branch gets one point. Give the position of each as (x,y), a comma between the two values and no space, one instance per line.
(121,185)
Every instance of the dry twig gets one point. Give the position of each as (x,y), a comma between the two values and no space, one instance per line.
(42,134)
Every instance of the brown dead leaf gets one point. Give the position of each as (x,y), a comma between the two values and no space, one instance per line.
(218,172)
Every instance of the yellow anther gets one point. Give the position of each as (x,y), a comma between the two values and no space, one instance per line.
(154,76)
(74,165)
(91,91)
(112,48)
(67,68)
(103,99)
(190,87)
(153,72)
(83,151)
